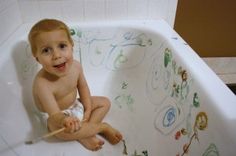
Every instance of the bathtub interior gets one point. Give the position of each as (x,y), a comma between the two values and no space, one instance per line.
(159,101)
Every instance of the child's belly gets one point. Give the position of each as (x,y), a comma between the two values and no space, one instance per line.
(68,100)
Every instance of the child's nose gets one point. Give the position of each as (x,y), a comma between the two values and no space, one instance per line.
(56,54)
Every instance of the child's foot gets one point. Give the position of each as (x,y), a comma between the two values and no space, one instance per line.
(111,134)
(92,143)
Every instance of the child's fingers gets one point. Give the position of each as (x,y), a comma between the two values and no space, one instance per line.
(68,123)
(72,124)
(76,124)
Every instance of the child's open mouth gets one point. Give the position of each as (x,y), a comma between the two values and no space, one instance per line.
(61,66)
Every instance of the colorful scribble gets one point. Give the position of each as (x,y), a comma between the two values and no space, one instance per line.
(201,123)
(167,79)
(112,50)
(171,85)
(124,99)
(169,117)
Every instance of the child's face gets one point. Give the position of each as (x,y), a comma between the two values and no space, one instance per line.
(54,52)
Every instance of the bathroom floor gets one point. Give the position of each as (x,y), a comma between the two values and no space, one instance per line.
(225,68)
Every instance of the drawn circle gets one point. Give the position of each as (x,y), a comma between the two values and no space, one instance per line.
(169,117)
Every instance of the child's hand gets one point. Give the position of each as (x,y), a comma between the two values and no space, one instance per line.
(72,124)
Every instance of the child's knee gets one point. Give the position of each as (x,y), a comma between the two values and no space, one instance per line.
(106,102)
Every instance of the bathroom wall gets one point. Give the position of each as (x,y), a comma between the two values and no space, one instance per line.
(209,27)
(10,18)
(16,12)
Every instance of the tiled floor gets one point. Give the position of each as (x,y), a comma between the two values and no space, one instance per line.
(224,67)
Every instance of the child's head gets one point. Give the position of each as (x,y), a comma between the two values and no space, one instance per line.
(46,25)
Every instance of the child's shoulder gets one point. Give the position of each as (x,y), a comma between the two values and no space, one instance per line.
(39,78)
(77,64)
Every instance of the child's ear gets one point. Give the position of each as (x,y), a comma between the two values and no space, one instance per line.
(36,58)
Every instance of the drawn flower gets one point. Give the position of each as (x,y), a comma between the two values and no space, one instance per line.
(177,135)
(201,121)
(184,75)
(184,131)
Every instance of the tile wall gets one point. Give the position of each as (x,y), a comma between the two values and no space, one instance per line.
(16,12)
(10,18)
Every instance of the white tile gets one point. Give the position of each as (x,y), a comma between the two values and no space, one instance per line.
(94,10)
(171,12)
(10,19)
(26,0)
(157,9)
(51,9)
(137,9)
(6,3)
(73,11)
(29,10)
(116,9)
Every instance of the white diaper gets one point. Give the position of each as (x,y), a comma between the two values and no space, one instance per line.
(76,110)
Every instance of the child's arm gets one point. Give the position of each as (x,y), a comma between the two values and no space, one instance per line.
(49,105)
(60,120)
(84,94)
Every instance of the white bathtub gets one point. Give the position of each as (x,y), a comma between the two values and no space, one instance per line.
(165,100)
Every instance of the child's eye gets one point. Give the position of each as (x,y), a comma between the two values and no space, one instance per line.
(46,50)
(62,45)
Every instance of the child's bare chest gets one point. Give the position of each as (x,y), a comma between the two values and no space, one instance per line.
(65,91)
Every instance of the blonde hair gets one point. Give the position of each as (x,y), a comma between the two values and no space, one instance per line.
(46,25)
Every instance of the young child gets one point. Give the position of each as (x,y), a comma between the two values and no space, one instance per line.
(56,86)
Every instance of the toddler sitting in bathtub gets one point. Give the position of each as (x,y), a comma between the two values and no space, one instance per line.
(56,86)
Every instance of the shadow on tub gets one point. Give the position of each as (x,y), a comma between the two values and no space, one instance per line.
(26,69)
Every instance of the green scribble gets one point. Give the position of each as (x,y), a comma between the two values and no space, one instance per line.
(79,34)
(72,32)
(97,51)
(196,102)
(167,57)
(144,153)
(149,42)
(125,99)
(120,59)
(125,148)
(211,151)
(25,67)
(124,85)
(136,154)
(174,66)
(175,90)
(184,89)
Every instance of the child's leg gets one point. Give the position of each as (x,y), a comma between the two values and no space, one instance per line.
(100,107)
(86,135)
